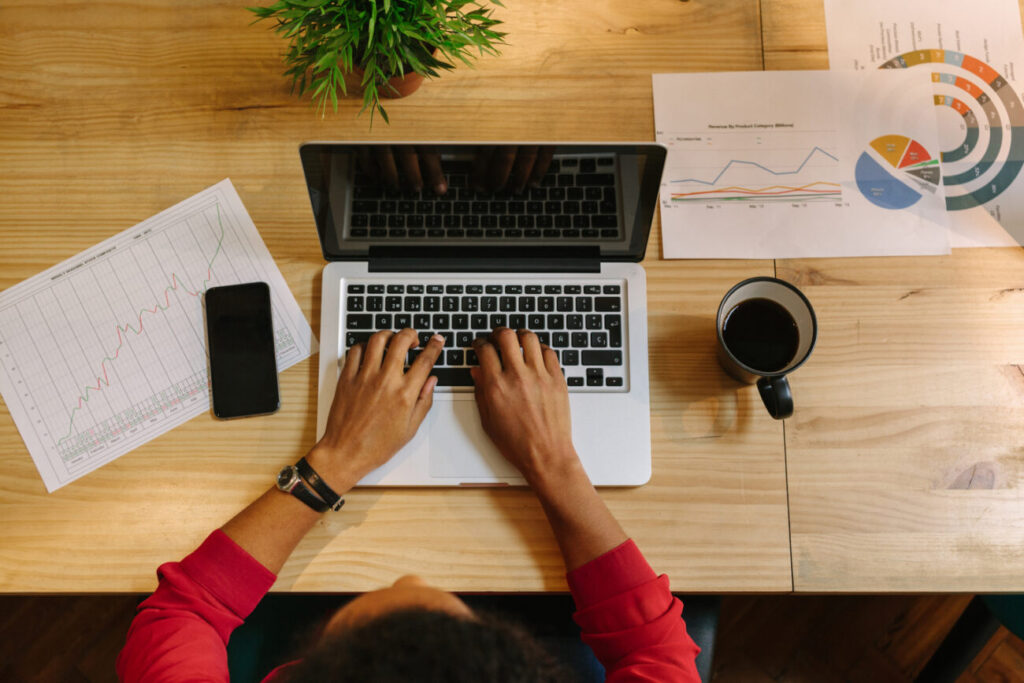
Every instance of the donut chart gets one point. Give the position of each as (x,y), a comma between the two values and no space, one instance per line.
(990,156)
(895,172)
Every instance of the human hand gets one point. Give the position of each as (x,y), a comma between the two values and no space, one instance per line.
(510,167)
(377,407)
(403,167)
(524,403)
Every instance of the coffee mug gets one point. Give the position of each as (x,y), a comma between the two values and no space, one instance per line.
(766,329)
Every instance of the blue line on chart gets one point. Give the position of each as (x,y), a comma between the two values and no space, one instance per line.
(754,163)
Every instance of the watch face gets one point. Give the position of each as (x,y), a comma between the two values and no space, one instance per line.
(285,477)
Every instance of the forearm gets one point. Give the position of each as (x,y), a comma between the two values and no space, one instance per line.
(583,525)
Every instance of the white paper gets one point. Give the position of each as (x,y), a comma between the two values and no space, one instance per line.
(783,164)
(107,350)
(970,50)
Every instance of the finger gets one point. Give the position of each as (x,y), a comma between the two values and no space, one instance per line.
(531,349)
(508,345)
(409,164)
(353,357)
(374,352)
(500,166)
(487,356)
(430,165)
(386,166)
(398,349)
(481,162)
(525,160)
(417,373)
(423,403)
(541,166)
(551,362)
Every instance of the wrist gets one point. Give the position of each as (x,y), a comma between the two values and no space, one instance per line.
(556,475)
(331,465)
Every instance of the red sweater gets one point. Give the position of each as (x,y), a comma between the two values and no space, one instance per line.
(627,615)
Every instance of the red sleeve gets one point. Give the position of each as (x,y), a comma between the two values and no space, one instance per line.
(631,620)
(181,631)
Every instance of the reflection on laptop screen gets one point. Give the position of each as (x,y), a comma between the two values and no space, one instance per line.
(370,195)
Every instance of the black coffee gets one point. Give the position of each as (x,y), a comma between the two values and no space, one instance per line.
(761,334)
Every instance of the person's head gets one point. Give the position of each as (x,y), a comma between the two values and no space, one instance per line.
(411,631)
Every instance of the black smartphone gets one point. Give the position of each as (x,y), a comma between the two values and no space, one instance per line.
(243,364)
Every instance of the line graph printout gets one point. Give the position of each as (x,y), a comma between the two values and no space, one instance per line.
(764,165)
(105,351)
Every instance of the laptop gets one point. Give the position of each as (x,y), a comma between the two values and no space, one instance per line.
(459,238)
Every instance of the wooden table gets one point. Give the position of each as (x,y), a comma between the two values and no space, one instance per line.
(110,113)
(905,458)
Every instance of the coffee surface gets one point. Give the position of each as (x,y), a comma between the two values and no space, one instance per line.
(761,334)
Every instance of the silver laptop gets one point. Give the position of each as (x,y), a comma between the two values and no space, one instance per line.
(459,238)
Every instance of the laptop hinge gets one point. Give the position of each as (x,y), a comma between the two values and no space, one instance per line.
(441,259)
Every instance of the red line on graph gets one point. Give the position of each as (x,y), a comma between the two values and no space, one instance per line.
(122,330)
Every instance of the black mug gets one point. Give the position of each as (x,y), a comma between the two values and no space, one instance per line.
(766,329)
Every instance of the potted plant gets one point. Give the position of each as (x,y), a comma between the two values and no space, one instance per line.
(385,47)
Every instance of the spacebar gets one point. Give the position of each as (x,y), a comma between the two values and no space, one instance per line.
(452,377)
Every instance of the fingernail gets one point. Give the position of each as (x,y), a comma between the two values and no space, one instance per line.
(441,188)
(437,338)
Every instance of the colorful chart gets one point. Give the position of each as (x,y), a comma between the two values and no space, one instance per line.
(895,171)
(974,175)
(745,180)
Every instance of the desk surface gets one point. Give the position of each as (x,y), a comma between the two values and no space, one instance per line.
(140,108)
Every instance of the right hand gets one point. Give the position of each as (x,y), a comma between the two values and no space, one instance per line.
(524,403)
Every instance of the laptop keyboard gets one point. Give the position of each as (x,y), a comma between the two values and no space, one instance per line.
(577,199)
(582,321)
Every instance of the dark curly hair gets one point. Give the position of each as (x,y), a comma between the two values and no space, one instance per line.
(431,646)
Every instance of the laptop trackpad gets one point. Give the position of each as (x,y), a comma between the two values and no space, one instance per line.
(459,448)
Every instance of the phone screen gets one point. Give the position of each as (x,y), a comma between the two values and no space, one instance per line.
(243,366)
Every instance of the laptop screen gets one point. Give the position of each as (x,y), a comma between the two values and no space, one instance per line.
(594,199)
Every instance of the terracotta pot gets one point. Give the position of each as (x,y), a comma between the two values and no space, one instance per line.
(403,85)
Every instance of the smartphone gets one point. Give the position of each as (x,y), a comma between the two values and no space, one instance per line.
(240,339)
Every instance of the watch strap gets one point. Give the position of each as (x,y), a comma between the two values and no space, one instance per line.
(333,500)
(300,491)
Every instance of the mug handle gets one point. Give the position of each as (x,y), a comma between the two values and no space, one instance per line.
(777,397)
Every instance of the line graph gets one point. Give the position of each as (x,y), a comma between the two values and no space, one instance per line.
(762,164)
(817,191)
(731,162)
(122,330)
(107,350)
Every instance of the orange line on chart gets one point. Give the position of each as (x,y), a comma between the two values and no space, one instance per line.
(785,189)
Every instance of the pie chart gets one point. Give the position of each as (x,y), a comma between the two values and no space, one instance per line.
(895,171)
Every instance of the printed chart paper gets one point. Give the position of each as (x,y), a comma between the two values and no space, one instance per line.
(105,351)
(789,164)
(970,52)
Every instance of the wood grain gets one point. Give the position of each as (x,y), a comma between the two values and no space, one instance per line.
(905,457)
(144,104)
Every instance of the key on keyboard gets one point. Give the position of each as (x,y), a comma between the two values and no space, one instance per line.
(581,322)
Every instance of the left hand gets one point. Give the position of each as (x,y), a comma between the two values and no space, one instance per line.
(377,407)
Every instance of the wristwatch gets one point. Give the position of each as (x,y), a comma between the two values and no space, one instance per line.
(289,481)
(333,500)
